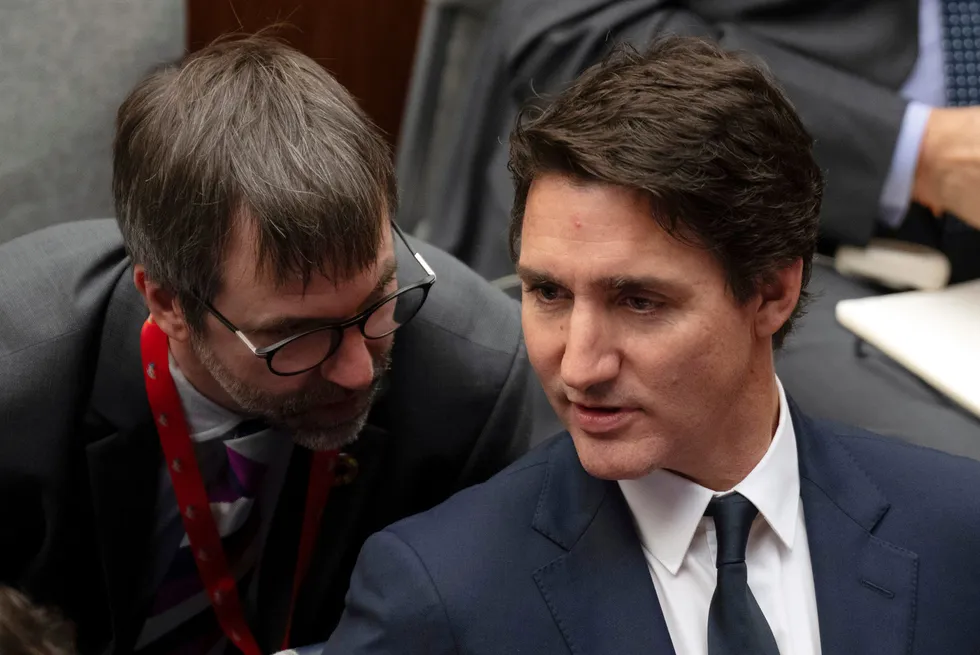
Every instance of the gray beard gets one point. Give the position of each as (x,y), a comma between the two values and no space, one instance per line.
(331,439)
(287,412)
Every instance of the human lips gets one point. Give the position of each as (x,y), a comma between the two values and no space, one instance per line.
(600,419)
(342,410)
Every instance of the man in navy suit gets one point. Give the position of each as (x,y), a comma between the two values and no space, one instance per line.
(664,225)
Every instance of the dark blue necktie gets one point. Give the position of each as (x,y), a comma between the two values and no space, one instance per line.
(961,51)
(736,625)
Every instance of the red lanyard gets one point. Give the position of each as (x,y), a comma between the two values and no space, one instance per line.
(195,508)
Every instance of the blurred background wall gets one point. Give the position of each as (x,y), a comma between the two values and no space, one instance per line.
(65,65)
(367,44)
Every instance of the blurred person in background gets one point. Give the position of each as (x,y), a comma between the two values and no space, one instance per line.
(881,84)
(666,215)
(886,88)
(307,374)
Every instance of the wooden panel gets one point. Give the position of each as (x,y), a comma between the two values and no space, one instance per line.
(367,44)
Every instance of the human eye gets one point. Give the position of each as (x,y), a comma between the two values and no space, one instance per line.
(269,337)
(273,334)
(544,293)
(642,304)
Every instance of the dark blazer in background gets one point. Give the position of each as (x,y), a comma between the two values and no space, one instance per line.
(545,559)
(841,62)
(80,460)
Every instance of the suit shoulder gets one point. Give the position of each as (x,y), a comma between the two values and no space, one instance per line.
(71,240)
(870,446)
(465,305)
(52,279)
(914,475)
(506,500)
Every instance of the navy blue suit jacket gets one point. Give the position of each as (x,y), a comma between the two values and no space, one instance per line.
(544,558)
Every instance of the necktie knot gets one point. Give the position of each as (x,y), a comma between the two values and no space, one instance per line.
(733,515)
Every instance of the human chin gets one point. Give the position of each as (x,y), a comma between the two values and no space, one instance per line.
(334,425)
(624,457)
(320,438)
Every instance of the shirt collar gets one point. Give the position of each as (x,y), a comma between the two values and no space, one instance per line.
(668,508)
(205,418)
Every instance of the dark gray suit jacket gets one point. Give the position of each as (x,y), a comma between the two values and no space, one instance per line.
(80,460)
(841,62)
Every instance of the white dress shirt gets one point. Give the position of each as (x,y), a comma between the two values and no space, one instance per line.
(680,546)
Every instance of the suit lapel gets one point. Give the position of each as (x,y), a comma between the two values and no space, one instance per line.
(124,467)
(865,587)
(599,592)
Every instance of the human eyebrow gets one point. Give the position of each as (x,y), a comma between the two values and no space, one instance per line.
(297,324)
(533,277)
(285,325)
(621,283)
(627,283)
(388,272)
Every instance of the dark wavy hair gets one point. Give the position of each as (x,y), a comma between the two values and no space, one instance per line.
(707,133)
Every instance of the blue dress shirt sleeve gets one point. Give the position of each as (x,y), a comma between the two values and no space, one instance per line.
(896,194)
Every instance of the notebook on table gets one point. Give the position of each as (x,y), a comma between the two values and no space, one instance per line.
(934,334)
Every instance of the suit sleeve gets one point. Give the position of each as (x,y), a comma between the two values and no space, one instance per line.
(507,433)
(393,606)
(855,123)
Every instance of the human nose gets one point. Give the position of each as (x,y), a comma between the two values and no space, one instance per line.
(590,356)
(351,366)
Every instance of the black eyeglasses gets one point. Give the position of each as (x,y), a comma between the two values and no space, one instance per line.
(307,350)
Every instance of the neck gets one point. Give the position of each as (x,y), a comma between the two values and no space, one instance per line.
(749,423)
(199,377)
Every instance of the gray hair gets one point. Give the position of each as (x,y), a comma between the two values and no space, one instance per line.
(248,131)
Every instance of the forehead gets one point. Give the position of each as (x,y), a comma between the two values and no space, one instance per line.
(585,230)
(242,275)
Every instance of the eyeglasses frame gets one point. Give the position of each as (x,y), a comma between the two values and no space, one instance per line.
(360,320)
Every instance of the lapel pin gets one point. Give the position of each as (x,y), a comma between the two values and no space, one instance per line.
(345,470)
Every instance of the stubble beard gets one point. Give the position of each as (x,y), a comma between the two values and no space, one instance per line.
(291,412)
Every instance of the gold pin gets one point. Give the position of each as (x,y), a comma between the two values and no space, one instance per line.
(345,470)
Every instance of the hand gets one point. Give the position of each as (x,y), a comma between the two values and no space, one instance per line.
(947,177)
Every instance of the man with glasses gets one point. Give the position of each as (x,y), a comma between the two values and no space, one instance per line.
(192,462)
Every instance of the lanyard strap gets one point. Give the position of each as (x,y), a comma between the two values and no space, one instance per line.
(195,508)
